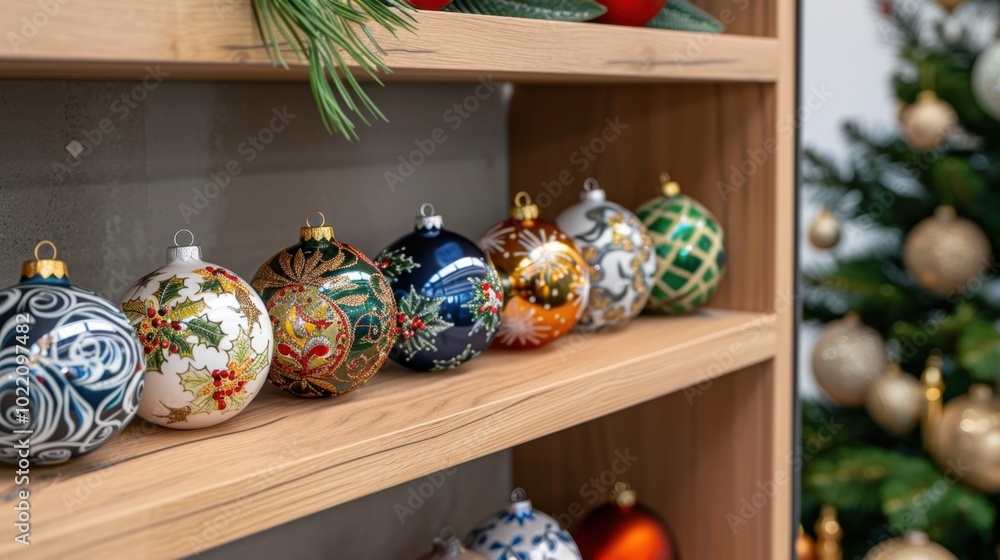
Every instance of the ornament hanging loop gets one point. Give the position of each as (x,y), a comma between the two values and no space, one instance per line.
(524,209)
(180,231)
(315,213)
(518,495)
(590,184)
(43,243)
(522,199)
(427,209)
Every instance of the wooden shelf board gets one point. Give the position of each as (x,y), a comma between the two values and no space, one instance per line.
(158,492)
(217,40)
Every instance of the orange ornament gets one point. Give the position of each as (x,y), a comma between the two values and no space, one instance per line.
(805,546)
(545,280)
(624,530)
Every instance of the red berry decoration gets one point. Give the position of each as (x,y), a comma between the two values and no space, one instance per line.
(630,12)
(428,4)
(623,528)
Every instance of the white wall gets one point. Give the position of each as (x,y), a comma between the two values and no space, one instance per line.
(846,53)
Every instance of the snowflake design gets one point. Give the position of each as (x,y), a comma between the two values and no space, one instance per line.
(507,551)
(419,322)
(495,238)
(552,537)
(464,356)
(520,326)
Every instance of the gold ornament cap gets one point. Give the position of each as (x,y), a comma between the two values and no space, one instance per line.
(623,496)
(44,268)
(322,232)
(668,187)
(524,209)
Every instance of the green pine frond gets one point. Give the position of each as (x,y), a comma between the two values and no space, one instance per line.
(330,35)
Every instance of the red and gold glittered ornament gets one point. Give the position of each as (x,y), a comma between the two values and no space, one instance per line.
(623,529)
(545,280)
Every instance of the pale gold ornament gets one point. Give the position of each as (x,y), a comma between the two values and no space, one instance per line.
(967,439)
(945,252)
(932,385)
(847,357)
(895,401)
(824,231)
(828,535)
(949,5)
(927,122)
(914,545)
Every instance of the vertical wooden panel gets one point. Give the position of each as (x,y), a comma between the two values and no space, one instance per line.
(700,458)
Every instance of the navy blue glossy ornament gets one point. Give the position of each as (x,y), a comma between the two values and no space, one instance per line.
(447,292)
(71,370)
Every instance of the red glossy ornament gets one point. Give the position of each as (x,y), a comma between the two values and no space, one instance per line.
(428,4)
(624,530)
(630,12)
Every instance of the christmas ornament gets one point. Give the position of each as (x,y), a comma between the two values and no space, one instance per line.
(847,357)
(332,311)
(824,231)
(630,12)
(828,535)
(620,254)
(945,252)
(72,368)
(624,530)
(932,387)
(949,5)
(428,4)
(967,435)
(205,336)
(523,533)
(895,401)
(986,80)
(450,548)
(805,546)
(545,280)
(927,122)
(689,247)
(914,545)
(448,296)
(556,10)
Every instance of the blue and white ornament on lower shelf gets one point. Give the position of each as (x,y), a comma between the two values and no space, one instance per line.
(71,370)
(522,533)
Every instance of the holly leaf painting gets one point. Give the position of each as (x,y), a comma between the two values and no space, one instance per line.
(135,310)
(212,285)
(169,290)
(187,309)
(206,331)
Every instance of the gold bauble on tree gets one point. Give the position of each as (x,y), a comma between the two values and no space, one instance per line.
(895,400)
(828,535)
(914,545)
(847,358)
(805,546)
(969,435)
(824,231)
(927,122)
(945,252)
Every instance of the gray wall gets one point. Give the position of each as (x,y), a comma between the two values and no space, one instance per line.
(113,208)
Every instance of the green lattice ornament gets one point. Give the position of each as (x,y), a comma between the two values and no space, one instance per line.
(419,322)
(689,250)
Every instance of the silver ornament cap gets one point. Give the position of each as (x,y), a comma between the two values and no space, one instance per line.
(178,252)
(427,220)
(592,191)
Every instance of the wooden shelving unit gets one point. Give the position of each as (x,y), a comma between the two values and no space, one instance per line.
(716,111)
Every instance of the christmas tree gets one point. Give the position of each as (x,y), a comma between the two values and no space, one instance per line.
(923,298)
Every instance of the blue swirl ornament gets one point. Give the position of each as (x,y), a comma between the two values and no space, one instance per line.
(71,370)
(447,292)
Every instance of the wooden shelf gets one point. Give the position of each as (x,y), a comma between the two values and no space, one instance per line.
(157,492)
(217,40)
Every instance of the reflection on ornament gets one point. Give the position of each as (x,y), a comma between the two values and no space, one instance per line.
(545,280)
(689,247)
(927,122)
(447,292)
(333,314)
(986,80)
(619,252)
(895,400)
(945,253)
(623,529)
(847,357)
(206,338)
(969,435)
(824,231)
(914,545)
(523,533)
(78,358)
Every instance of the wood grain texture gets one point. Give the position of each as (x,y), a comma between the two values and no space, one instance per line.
(698,458)
(217,39)
(162,493)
